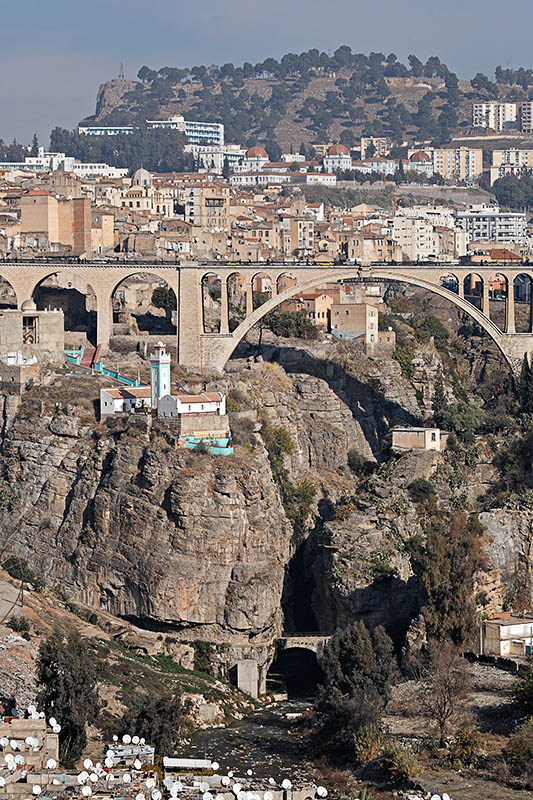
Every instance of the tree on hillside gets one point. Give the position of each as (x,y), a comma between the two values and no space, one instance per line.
(164,297)
(34,146)
(66,674)
(146,75)
(446,683)
(360,668)
(447,564)
(162,721)
(526,387)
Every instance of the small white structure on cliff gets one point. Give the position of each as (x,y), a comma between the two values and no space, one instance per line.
(417,439)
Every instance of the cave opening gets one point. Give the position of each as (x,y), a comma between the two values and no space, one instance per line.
(297,670)
(299,590)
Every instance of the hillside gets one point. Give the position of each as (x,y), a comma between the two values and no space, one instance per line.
(312,97)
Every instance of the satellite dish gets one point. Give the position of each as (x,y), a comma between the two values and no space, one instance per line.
(55,782)
(236,788)
(126,777)
(19,760)
(126,738)
(204,787)
(93,777)
(322,791)
(156,795)
(445,796)
(249,772)
(178,786)
(31,709)
(2,782)
(86,791)
(51,763)
(435,797)
(56,728)
(286,784)
(225,781)
(115,738)
(36,789)
(109,753)
(207,796)
(36,716)
(137,764)
(268,796)
(13,744)
(52,721)
(150,783)
(271,781)
(87,763)
(35,743)
(230,774)
(4,741)
(142,741)
(41,714)
(109,762)
(215,765)
(135,740)
(140,796)
(29,740)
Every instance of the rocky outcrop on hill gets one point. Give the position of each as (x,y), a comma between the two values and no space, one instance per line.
(111,95)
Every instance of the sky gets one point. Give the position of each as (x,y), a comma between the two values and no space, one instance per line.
(55,53)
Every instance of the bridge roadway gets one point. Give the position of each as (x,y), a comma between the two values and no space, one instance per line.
(197,349)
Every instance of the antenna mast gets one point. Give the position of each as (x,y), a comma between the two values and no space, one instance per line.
(121,73)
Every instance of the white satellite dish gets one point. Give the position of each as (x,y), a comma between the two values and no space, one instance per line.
(93,777)
(140,796)
(29,740)
(115,738)
(207,796)
(268,796)
(56,782)
(87,763)
(36,789)
(19,760)
(322,791)
(236,788)
(249,772)
(137,764)
(156,795)
(142,741)
(51,763)
(178,786)
(4,741)
(35,743)
(31,709)
(109,753)
(286,784)
(109,762)
(204,787)
(446,796)
(126,777)
(126,738)
(41,714)
(52,721)
(435,797)
(86,791)
(215,765)
(14,744)
(150,783)
(271,781)
(36,716)
(230,774)
(56,728)
(135,740)
(225,781)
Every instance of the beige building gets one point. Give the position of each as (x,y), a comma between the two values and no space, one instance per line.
(32,332)
(381,146)
(525,116)
(316,305)
(351,320)
(102,231)
(417,439)
(415,237)
(507,635)
(494,115)
(66,221)
(44,745)
(460,163)
(297,236)
(206,205)
(367,247)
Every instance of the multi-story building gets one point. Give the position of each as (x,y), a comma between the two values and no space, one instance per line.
(50,162)
(66,221)
(297,235)
(510,162)
(212,157)
(488,223)
(316,305)
(380,144)
(337,158)
(460,163)
(525,116)
(416,238)
(206,205)
(494,115)
(196,132)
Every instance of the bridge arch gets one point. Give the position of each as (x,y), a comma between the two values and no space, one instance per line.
(223,352)
(131,299)
(75,295)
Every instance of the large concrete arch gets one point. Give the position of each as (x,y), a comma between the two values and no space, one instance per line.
(222,349)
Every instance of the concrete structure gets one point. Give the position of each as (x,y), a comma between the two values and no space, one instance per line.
(159,374)
(459,163)
(50,162)
(494,115)
(17,729)
(196,132)
(199,349)
(126,754)
(380,143)
(352,320)
(124,399)
(525,116)
(248,677)
(32,333)
(507,635)
(416,439)
(488,223)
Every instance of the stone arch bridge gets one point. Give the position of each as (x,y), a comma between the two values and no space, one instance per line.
(197,349)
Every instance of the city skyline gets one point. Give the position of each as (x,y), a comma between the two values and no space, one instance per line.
(54,82)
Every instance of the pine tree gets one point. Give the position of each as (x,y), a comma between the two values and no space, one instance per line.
(226,170)
(34,146)
(440,401)
(66,674)
(526,387)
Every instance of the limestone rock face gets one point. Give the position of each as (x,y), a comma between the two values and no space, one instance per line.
(129,524)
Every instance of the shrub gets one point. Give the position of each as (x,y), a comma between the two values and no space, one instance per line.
(18,624)
(203,657)
(420,490)
(400,762)
(404,353)
(368,741)
(523,690)
(358,463)
(291,324)
(344,509)
(519,748)
(468,743)
(18,568)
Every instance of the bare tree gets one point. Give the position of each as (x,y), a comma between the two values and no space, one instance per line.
(445,684)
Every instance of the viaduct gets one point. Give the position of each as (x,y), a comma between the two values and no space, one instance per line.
(197,348)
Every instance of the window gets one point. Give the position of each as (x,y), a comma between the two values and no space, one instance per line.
(433,437)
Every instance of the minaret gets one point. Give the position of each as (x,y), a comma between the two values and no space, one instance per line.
(159,373)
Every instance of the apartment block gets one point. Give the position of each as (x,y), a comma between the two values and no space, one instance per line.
(380,143)
(525,116)
(460,163)
(494,115)
(488,223)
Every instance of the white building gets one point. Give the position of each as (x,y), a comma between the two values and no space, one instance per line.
(211,157)
(50,162)
(488,223)
(494,115)
(506,635)
(337,158)
(416,237)
(124,399)
(104,130)
(196,132)
(192,404)
(254,160)
(437,215)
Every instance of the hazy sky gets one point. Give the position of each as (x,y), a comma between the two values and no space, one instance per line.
(55,53)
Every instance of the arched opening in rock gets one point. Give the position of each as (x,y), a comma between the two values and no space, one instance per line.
(297,669)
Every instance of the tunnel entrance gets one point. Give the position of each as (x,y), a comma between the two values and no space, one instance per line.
(297,670)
